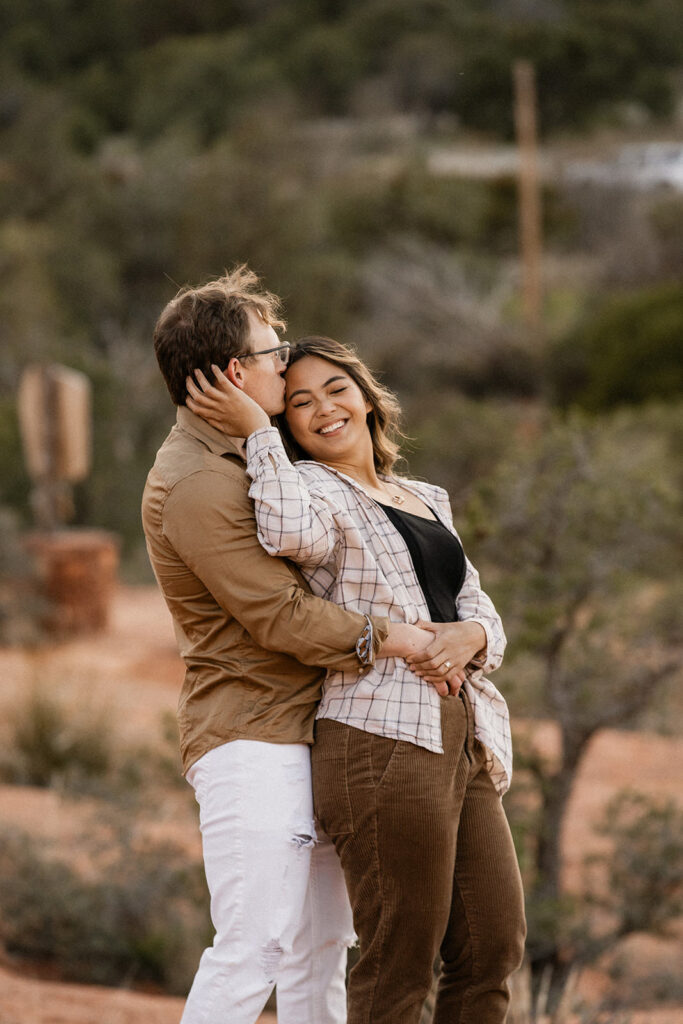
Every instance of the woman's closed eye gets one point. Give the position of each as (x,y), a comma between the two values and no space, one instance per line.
(307,401)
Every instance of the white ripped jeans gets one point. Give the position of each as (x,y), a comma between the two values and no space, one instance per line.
(278,900)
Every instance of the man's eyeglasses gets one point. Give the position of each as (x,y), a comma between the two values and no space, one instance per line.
(281,352)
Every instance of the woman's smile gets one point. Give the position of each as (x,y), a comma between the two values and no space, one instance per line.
(332,427)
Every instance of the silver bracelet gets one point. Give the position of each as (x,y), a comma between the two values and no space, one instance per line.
(364,644)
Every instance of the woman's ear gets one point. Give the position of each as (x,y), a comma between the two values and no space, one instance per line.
(235,373)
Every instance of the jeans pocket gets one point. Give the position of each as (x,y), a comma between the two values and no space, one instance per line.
(329,766)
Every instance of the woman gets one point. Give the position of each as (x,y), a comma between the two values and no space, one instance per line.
(406,782)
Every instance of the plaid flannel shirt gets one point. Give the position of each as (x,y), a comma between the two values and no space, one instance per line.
(350,553)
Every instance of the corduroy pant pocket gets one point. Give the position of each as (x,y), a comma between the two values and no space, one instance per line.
(330,772)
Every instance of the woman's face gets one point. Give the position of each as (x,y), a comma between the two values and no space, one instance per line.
(326,411)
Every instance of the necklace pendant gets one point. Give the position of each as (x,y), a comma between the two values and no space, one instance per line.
(398,499)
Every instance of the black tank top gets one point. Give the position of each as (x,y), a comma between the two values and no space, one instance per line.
(438,558)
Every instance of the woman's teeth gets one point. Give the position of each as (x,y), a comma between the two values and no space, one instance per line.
(331,426)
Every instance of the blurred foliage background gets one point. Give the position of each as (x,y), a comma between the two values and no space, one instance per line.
(148,145)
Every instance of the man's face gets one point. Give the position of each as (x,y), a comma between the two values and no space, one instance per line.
(263,374)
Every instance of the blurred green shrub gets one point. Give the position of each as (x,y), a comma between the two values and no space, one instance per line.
(430,57)
(201,83)
(53,743)
(324,64)
(22,610)
(14,481)
(639,882)
(627,350)
(457,442)
(146,920)
(56,738)
(666,218)
(471,214)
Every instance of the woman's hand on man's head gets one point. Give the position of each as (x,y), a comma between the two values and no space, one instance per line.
(223,405)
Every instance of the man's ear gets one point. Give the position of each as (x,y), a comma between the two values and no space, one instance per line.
(235,373)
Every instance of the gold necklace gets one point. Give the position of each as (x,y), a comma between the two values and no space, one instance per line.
(397,499)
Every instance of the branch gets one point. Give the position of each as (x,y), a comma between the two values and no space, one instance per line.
(630,703)
(560,637)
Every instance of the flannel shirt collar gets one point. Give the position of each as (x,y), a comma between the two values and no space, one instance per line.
(408,485)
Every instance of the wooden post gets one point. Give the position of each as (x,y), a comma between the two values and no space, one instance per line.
(530,229)
(75,568)
(54,413)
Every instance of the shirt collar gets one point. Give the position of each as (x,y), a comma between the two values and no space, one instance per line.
(215,440)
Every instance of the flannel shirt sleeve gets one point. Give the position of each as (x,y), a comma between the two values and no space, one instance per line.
(474,605)
(292,521)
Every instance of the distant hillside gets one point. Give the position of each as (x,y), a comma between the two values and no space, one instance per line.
(126,65)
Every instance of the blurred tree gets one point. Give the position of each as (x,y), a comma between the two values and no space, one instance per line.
(324,64)
(201,84)
(590,57)
(628,349)
(456,441)
(580,530)
(666,219)
(147,144)
(431,320)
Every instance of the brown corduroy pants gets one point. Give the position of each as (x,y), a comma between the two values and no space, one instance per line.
(430,868)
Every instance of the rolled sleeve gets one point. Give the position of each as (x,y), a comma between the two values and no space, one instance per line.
(474,605)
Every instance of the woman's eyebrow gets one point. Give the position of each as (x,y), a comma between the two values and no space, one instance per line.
(307,391)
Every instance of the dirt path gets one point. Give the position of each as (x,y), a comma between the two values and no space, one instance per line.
(26,1001)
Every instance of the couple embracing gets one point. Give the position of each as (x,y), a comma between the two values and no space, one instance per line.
(347,752)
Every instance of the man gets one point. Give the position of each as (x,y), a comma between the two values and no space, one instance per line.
(252,636)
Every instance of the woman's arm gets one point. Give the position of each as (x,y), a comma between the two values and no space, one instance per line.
(476,641)
(474,605)
(292,521)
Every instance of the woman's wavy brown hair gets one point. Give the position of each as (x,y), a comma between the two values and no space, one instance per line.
(383,418)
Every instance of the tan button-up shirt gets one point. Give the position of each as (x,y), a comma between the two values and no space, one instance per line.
(250,632)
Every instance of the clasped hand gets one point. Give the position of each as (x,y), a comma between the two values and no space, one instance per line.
(445,658)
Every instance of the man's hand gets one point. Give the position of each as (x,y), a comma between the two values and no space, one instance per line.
(409,642)
(452,647)
(224,406)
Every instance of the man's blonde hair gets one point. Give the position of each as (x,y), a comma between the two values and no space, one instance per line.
(210,324)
